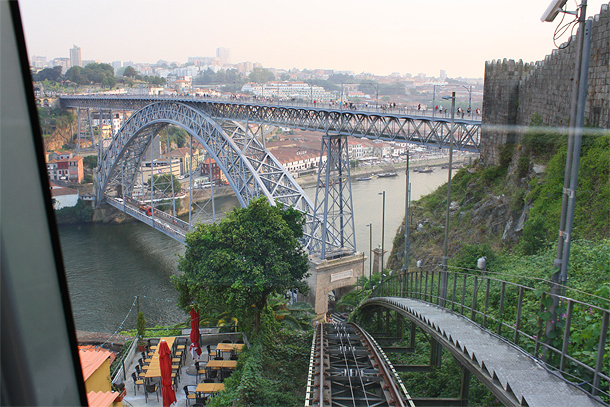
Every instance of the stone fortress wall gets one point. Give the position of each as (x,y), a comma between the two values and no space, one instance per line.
(514,91)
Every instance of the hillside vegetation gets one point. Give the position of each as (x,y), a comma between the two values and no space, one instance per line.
(512,210)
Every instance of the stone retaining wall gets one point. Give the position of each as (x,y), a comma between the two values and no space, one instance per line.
(516,91)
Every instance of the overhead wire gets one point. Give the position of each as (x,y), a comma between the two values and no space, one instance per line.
(562,29)
(133,304)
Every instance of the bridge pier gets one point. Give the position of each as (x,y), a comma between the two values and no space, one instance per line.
(332,274)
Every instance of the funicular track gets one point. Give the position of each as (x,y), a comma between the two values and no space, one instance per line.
(348,369)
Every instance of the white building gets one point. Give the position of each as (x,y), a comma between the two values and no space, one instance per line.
(63,197)
(354,149)
(75,56)
(223,55)
(297,160)
(113,120)
(288,91)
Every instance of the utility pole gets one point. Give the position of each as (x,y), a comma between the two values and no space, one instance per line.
(577,106)
(446,242)
(407,204)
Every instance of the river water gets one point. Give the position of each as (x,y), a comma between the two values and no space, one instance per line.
(108,265)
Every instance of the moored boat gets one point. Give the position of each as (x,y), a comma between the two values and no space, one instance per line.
(387,175)
(370,177)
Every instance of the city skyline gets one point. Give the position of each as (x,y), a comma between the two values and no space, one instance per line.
(455,37)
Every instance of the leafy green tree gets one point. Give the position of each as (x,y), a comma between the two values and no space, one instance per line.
(339,78)
(163,183)
(130,72)
(327,85)
(261,75)
(251,254)
(76,75)
(51,74)
(90,161)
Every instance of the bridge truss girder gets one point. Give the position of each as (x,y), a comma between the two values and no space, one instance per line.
(434,132)
(249,168)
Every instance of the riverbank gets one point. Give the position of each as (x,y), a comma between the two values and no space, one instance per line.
(463,159)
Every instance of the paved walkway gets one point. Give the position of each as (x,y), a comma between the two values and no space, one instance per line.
(505,364)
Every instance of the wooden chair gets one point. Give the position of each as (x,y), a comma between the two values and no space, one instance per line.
(143,366)
(145,358)
(151,388)
(200,371)
(211,353)
(136,382)
(190,395)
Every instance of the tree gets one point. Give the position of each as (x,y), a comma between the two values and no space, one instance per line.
(76,75)
(51,74)
(163,183)
(251,254)
(261,75)
(130,72)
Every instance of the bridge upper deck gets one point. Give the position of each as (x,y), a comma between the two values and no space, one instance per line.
(388,125)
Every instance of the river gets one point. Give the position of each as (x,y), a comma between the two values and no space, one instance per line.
(108,265)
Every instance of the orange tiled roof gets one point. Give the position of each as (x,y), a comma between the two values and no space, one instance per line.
(101,398)
(180,152)
(60,191)
(91,360)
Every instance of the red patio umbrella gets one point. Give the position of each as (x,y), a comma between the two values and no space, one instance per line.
(195,348)
(165,363)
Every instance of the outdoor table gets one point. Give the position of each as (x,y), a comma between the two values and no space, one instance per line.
(227,347)
(209,388)
(154,369)
(217,364)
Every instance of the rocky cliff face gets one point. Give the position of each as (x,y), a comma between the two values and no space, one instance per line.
(481,212)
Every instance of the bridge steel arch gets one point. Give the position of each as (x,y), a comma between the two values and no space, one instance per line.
(514,377)
(250,170)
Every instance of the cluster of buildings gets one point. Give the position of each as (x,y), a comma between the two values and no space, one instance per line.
(95,364)
(286,90)
(300,151)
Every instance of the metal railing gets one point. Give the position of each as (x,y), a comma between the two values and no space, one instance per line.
(577,346)
(382,108)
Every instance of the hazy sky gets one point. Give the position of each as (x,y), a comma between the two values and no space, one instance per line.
(381,36)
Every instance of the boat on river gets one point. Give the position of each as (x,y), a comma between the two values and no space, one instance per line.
(425,170)
(387,175)
(370,177)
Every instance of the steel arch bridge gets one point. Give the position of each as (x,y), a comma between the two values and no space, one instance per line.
(250,169)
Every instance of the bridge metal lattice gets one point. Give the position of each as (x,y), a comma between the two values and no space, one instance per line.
(333,209)
(249,168)
(421,130)
(252,171)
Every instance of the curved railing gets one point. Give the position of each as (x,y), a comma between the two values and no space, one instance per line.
(576,344)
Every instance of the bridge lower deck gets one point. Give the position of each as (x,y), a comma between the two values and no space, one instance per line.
(502,363)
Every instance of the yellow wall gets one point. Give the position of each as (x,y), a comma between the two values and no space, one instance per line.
(100,379)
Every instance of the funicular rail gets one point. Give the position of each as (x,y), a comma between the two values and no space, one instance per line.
(347,368)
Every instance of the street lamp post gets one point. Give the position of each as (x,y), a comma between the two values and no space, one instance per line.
(446,241)
(370,226)
(469,89)
(382,233)
(376,85)
(407,202)
(310,94)
(434,100)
